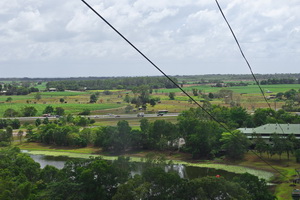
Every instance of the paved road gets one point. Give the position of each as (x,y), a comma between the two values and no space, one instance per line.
(131,115)
(121,116)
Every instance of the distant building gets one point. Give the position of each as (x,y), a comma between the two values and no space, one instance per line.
(265,131)
(52,89)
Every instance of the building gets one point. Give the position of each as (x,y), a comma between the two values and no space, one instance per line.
(265,131)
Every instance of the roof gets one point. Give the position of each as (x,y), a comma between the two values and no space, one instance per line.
(273,128)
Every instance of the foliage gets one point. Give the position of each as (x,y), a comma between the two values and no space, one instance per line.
(113,83)
(59,111)
(29,111)
(93,98)
(14,123)
(256,188)
(10,113)
(85,112)
(48,110)
(172,95)
(235,144)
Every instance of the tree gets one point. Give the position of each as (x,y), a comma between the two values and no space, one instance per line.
(10,113)
(260,145)
(9,99)
(128,108)
(172,95)
(239,115)
(61,100)
(59,111)
(93,98)
(37,96)
(38,122)
(261,116)
(257,188)
(195,91)
(235,144)
(48,110)
(29,111)
(85,112)
(20,135)
(127,98)
(279,145)
(152,102)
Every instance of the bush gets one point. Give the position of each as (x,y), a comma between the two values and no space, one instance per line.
(85,112)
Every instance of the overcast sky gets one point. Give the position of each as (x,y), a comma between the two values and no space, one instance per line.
(55,38)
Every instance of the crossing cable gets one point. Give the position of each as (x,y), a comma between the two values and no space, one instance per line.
(243,55)
(190,97)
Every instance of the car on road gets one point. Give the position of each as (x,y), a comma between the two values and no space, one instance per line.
(141,114)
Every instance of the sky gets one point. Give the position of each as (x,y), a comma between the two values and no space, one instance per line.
(57,38)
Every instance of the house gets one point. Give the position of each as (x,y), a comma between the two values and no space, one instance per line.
(52,89)
(265,131)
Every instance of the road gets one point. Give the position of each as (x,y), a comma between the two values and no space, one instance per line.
(119,116)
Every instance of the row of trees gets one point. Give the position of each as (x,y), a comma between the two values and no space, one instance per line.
(292,100)
(14,123)
(13,89)
(237,117)
(280,144)
(203,138)
(30,111)
(273,81)
(94,178)
(112,83)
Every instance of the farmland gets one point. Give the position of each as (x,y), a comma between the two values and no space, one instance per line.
(113,103)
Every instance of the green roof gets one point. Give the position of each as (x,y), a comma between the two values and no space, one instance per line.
(273,128)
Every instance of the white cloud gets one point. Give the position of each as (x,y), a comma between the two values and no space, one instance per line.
(182,35)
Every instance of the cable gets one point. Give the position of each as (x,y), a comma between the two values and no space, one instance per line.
(243,55)
(152,63)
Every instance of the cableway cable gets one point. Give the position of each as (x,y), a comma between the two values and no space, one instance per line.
(243,55)
(170,79)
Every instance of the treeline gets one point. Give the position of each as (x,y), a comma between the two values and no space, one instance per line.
(112,83)
(64,131)
(94,178)
(280,81)
(203,137)
(292,100)
(16,89)
(208,77)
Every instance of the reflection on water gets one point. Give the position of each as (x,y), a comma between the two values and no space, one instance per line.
(183,171)
(56,161)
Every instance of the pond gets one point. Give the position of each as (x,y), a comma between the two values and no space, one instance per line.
(184,171)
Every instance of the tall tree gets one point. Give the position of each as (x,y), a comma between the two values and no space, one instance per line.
(235,144)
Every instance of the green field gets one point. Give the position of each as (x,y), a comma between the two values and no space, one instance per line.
(69,108)
(250,89)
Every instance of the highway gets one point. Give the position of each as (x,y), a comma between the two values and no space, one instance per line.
(108,116)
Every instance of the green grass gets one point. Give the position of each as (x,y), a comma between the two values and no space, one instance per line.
(250,89)
(41,86)
(65,93)
(71,108)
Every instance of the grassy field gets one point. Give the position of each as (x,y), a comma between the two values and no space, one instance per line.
(71,108)
(250,89)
